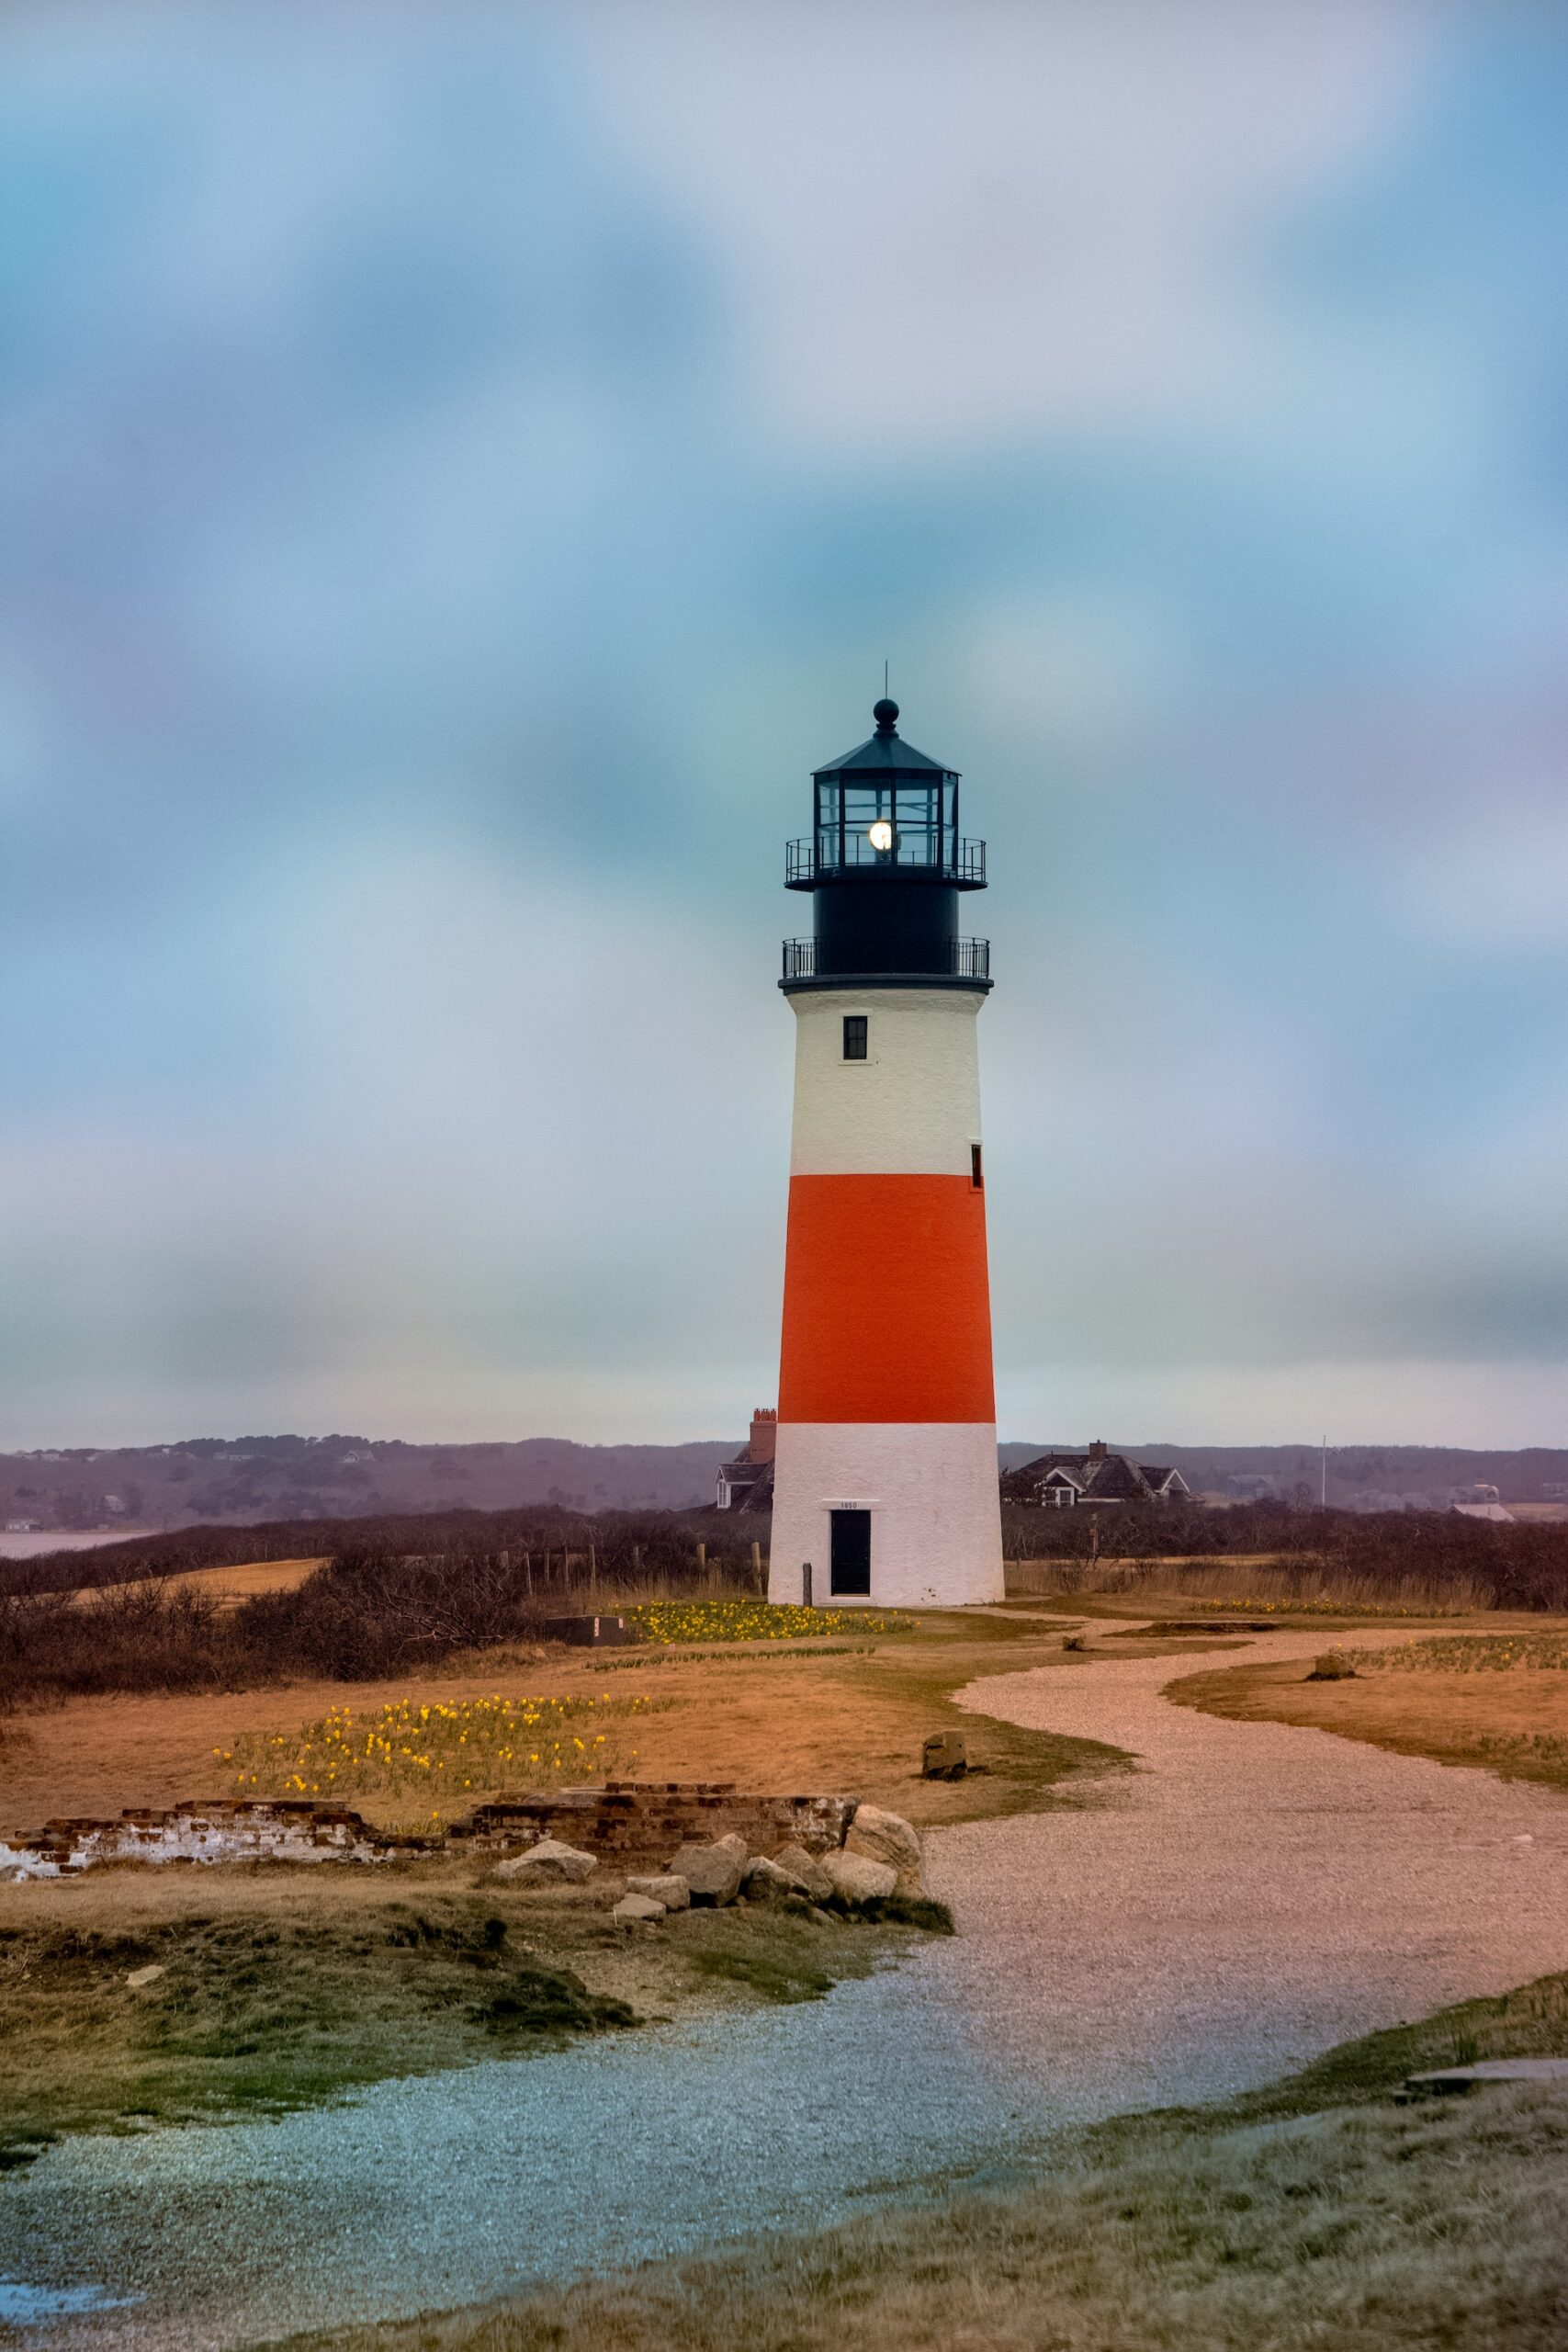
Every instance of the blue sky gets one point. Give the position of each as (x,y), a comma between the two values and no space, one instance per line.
(459,468)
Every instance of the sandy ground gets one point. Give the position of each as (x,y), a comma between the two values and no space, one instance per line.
(1254,1894)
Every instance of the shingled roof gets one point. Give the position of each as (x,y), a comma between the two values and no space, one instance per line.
(1096,1475)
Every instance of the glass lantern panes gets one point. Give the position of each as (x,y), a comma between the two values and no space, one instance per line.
(919,818)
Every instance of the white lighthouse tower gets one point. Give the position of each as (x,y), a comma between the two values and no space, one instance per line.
(885,1469)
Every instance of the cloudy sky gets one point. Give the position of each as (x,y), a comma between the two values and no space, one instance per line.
(460,466)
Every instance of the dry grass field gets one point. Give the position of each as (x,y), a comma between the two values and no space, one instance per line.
(233,1583)
(1495,1696)
(785,1716)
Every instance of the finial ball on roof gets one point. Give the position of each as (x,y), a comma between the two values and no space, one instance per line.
(885,713)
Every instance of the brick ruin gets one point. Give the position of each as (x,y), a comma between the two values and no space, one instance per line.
(622,1821)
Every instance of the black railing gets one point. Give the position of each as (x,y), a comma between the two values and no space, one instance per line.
(966,960)
(810,861)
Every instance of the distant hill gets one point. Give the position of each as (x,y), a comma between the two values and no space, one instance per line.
(236,1480)
(233,1480)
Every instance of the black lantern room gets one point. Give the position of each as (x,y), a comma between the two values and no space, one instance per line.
(885,864)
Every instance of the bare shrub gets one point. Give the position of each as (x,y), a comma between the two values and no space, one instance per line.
(367,1612)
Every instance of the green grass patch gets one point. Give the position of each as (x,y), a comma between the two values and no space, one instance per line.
(776,1975)
(255,2013)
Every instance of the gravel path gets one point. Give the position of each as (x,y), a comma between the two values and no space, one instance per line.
(1253,1895)
(1250,1896)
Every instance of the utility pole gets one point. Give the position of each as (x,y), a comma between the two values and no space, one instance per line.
(1324,1496)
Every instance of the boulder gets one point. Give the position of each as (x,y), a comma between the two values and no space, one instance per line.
(888,1837)
(672,1892)
(857,1879)
(638,1911)
(733,1843)
(766,1882)
(711,1872)
(549,1864)
(806,1871)
(944,1756)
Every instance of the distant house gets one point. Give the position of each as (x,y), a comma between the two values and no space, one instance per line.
(1484,1510)
(1478,1493)
(21,1527)
(1060,1481)
(1252,1486)
(746,1483)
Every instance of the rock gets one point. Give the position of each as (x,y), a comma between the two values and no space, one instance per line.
(139,1976)
(857,1879)
(823,1918)
(733,1843)
(766,1882)
(711,1872)
(637,1910)
(672,1892)
(888,1837)
(806,1871)
(549,1864)
(944,1756)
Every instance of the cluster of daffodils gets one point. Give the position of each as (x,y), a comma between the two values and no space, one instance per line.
(1469,1653)
(670,1622)
(1321,1605)
(447,1749)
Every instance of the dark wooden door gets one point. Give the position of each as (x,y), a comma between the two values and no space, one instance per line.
(852,1551)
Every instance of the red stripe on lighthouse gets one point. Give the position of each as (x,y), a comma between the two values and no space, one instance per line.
(887,1310)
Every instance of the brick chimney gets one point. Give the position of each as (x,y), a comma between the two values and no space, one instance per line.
(765,1434)
(1098,1449)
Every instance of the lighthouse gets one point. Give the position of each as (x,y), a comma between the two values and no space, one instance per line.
(884,1472)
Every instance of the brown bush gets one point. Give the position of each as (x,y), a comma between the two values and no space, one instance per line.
(369,1611)
(1515,1564)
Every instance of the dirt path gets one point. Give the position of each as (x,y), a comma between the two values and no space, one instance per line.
(1252,1894)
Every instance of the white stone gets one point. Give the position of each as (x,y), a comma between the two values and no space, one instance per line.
(637,1910)
(857,1879)
(711,1872)
(549,1864)
(804,1871)
(147,1975)
(765,1879)
(666,1888)
(888,1837)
